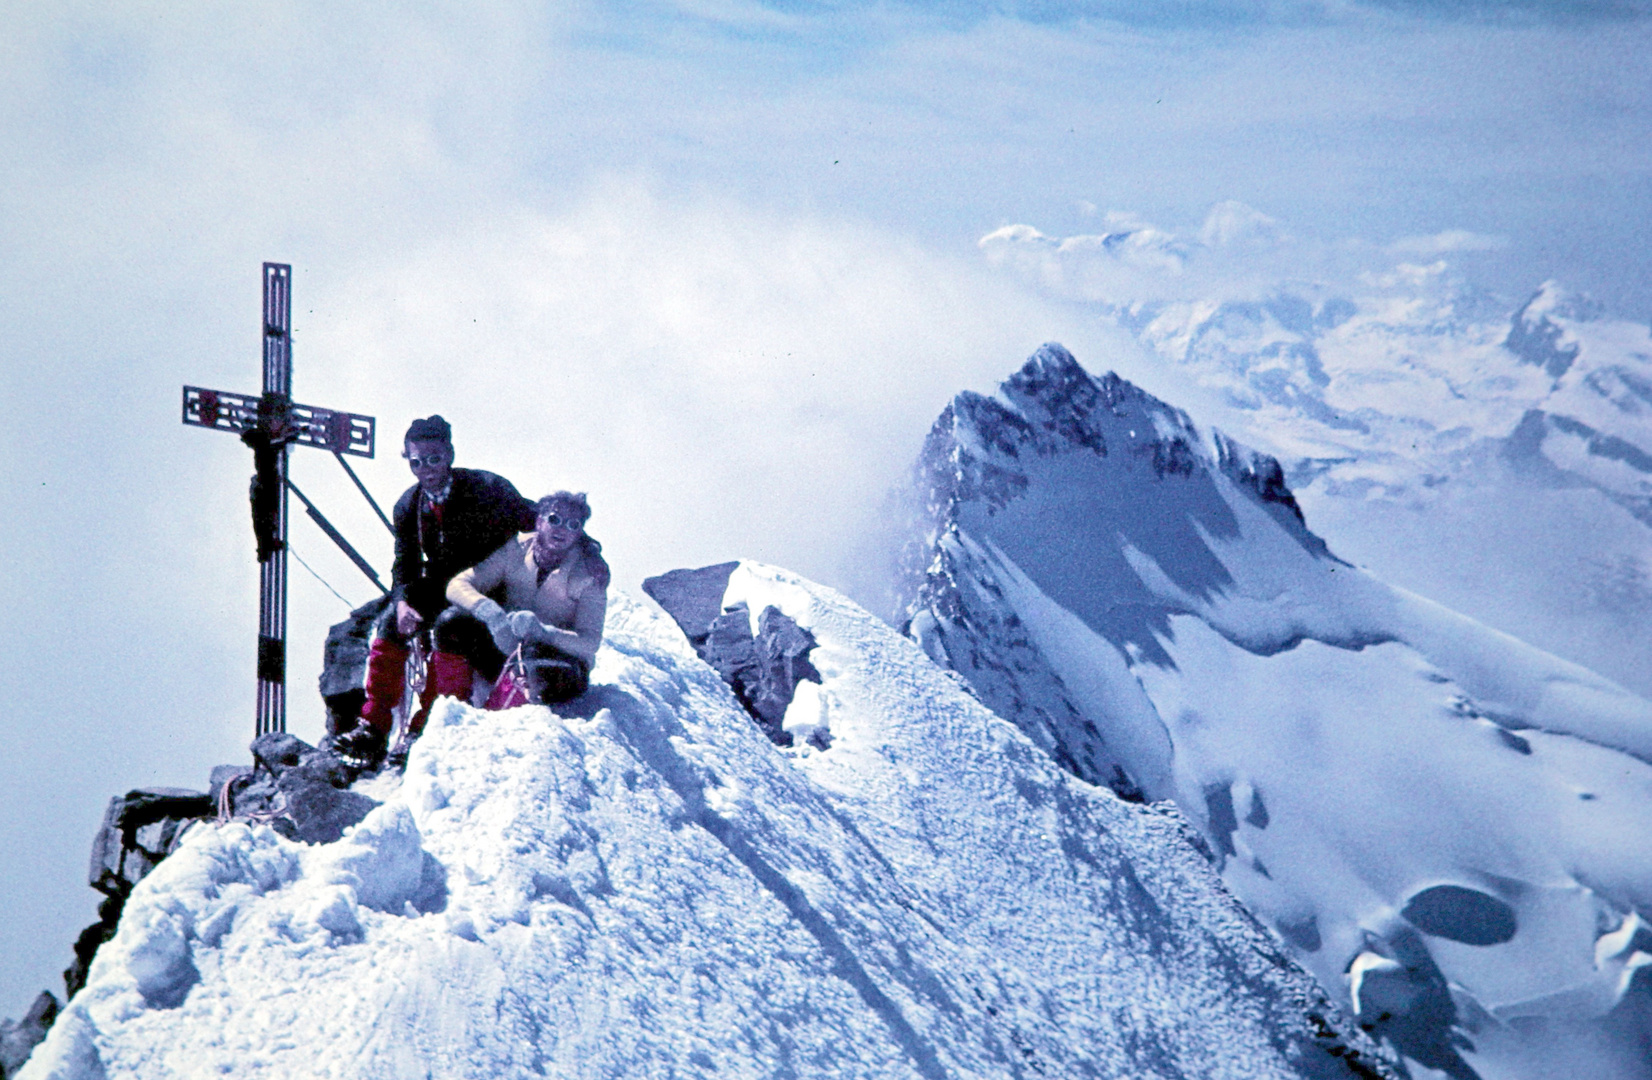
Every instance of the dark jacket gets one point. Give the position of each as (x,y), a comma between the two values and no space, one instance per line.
(482,511)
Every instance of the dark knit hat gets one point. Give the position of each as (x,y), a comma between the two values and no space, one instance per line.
(430,429)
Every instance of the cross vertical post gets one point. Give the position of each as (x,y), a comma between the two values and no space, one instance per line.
(270,483)
(271,424)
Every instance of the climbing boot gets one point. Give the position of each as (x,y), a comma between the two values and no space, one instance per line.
(362,747)
(397,757)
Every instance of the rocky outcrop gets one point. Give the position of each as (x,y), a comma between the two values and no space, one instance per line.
(344,665)
(763,668)
(299,790)
(19,1038)
(302,791)
(139,829)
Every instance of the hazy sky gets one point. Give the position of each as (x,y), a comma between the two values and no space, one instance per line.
(716,263)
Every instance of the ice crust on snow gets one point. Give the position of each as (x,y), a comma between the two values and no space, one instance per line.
(647,886)
(1380,777)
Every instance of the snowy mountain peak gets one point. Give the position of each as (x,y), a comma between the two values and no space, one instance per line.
(1036,471)
(1428,811)
(1537,339)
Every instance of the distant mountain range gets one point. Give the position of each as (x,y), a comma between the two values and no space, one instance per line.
(1502,465)
(1495,456)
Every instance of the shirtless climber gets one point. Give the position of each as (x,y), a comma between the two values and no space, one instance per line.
(450,520)
(556,597)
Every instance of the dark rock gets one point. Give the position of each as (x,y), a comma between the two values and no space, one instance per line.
(278,751)
(299,789)
(763,670)
(320,812)
(221,776)
(1410,1007)
(18,1039)
(782,649)
(1537,341)
(694,598)
(253,794)
(329,766)
(86,947)
(1461,914)
(1223,821)
(728,647)
(344,665)
(1303,933)
(139,829)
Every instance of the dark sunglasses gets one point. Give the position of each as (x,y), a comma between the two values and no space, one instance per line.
(565,520)
(428,459)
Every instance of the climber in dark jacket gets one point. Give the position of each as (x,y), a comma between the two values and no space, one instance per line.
(449,521)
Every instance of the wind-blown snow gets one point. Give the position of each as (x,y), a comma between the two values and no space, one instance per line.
(1390,785)
(647,886)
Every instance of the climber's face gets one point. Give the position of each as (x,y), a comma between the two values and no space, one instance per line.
(558,528)
(431,462)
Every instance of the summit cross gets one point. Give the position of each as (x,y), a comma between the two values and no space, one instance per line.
(270,424)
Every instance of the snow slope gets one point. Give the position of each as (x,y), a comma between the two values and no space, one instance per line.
(1446,824)
(647,887)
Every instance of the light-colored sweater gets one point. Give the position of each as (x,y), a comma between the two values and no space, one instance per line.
(573,601)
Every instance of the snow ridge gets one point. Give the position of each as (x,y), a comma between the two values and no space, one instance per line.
(647,886)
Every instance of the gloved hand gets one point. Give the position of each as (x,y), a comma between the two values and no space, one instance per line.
(529,628)
(523,624)
(498,623)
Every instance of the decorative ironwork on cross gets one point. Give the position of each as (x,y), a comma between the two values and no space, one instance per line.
(270,424)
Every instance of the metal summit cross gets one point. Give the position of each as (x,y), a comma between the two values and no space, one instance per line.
(270,424)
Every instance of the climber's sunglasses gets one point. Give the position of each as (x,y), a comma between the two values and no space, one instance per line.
(567,521)
(429,459)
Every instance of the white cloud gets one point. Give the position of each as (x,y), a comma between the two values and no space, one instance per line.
(1447,242)
(1239,253)
(1231,221)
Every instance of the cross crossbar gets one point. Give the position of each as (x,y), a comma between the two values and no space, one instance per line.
(324,429)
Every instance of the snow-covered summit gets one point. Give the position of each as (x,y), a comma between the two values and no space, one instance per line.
(648,886)
(1444,822)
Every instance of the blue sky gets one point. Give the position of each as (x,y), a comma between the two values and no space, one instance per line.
(714,262)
